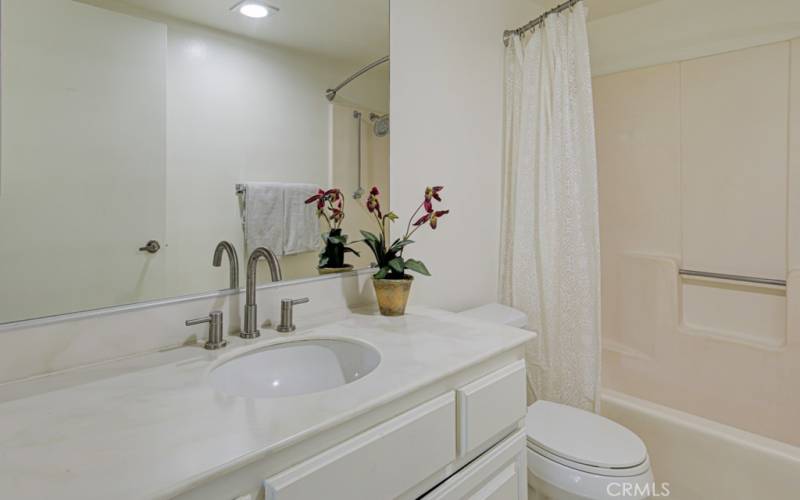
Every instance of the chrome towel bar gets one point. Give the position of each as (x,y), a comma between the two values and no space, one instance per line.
(732,277)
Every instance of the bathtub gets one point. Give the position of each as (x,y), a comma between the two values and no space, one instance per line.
(705,460)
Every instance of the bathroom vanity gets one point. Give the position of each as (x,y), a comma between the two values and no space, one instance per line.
(427,405)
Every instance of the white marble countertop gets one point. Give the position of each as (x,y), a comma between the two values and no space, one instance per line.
(139,428)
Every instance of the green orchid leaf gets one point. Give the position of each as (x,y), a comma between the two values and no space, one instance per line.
(397,264)
(390,255)
(417,267)
(350,250)
(369,236)
(381,252)
(382,272)
(373,247)
(400,244)
(377,245)
(336,240)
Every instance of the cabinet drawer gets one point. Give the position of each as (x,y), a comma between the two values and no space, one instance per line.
(498,474)
(383,462)
(489,406)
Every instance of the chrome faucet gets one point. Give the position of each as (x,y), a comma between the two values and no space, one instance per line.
(250,330)
(287,314)
(216,338)
(233,262)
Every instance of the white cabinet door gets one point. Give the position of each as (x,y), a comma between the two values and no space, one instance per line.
(381,463)
(490,407)
(503,486)
(498,474)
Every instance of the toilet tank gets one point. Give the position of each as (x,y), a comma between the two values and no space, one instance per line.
(498,313)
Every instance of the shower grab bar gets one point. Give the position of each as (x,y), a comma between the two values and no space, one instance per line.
(359,190)
(732,277)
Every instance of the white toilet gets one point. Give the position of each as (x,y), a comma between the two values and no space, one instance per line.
(574,454)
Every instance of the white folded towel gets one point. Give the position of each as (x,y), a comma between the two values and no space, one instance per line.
(263,215)
(275,216)
(301,231)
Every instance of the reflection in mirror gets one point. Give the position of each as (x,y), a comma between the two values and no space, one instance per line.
(138,134)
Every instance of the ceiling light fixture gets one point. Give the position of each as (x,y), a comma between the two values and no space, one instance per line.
(255,9)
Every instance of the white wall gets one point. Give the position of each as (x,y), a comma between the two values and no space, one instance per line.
(447,117)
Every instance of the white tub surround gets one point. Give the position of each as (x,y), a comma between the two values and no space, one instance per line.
(701,458)
(152,426)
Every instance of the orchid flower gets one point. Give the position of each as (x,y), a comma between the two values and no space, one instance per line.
(330,206)
(390,260)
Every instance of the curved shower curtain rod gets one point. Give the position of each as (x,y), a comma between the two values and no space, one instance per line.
(331,93)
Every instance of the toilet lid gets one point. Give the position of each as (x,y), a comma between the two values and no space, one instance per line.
(582,437)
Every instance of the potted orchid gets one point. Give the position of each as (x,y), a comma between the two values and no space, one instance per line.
(330,208)
(392,284)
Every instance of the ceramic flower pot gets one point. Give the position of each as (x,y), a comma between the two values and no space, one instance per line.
(392,295)
(333,270)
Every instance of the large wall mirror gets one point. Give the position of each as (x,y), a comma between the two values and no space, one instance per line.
(128,122)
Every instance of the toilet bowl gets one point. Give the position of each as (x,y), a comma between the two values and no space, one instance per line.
(575,454)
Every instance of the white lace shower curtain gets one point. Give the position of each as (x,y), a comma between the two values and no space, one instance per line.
(550,232)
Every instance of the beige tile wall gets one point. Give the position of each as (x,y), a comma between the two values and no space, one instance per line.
(734,109)
(638,147)
(698,166)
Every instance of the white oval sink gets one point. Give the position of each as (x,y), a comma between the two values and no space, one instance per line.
(294,368)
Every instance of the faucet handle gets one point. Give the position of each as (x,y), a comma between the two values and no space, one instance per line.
(295,302)
(287,313)
(216,340)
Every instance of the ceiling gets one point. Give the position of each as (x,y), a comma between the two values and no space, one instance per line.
(657,32)
(350,30)
(355,31)
(603,8)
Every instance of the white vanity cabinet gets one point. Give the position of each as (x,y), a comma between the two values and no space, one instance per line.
(466,443)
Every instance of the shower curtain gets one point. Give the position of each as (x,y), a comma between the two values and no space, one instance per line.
(550,253)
